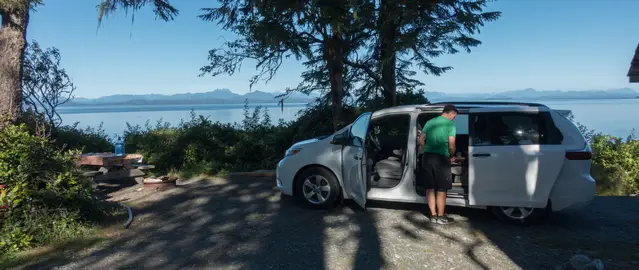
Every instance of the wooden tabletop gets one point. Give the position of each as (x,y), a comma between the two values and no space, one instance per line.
(107,159)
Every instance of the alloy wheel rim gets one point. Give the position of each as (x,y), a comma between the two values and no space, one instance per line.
(517,212)
(316,189)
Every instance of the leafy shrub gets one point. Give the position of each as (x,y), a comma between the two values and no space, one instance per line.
(45,194)
(196,145)
(201,145)
(68,136)
(615,164)
(88,140)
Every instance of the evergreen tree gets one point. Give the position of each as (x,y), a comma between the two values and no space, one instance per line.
(321,33)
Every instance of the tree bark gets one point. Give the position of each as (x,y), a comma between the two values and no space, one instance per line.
(12,47)
(388,55)
(335,65)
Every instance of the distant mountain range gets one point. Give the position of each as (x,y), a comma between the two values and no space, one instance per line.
(218,96)
(532,94)
(225,96)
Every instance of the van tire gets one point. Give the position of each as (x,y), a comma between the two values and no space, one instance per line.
(326,178)
(537,216)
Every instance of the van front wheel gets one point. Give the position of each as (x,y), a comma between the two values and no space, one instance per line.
(317,188)
(520,215)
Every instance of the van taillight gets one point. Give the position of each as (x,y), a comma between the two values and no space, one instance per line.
(578,155)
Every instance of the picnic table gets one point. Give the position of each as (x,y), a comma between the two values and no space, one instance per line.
(109,166)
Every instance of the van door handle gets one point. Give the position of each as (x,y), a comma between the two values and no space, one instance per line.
(481,155)
(356,157)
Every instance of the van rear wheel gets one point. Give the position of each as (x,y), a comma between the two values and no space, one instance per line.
(317,188)
(520,215)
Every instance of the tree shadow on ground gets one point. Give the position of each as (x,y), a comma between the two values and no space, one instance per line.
(416,223)
(234,223)
(604,230)
(103,189)
(244,223)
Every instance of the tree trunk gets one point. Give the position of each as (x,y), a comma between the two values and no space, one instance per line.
(335,65)
(388,55)
(12,46)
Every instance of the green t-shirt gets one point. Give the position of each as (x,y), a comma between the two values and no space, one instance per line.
(437,131)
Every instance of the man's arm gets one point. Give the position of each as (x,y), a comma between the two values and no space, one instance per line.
(451,145)
(422,139)
(452,132)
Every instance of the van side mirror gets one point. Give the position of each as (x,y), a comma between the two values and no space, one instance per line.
(340,138)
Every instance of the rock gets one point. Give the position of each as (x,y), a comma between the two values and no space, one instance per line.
(579,262)
(582,262)
(596,264)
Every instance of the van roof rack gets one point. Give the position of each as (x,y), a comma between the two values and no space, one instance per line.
(470,103)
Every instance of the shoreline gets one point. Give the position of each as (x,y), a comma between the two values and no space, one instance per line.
(117,108)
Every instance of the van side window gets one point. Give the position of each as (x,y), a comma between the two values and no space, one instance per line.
(511,128)
(552,134)
(461,121)
(391,131)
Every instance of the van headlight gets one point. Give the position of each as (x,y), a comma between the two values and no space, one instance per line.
(291,152)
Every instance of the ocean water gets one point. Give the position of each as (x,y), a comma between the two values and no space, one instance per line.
(614,116)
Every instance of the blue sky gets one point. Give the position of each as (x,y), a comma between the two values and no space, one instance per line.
(546,45)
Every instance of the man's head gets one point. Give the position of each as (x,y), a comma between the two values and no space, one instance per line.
(449,111)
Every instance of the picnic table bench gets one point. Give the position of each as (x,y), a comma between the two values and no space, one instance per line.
(108,166)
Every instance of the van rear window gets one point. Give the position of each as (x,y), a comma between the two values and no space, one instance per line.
(513,128)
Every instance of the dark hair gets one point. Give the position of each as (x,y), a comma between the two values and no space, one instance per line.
(450,108)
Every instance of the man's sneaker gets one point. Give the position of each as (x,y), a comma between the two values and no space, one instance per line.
(446,217)
(433,219)
(444,220)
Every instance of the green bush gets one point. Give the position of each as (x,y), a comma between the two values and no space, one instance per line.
(615,164)
(47,197)
(88,140)
(202,146)
(68,136)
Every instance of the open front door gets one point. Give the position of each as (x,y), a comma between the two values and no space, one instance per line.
(514,159)
(354,160)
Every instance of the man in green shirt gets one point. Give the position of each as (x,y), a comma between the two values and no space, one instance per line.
(438,139)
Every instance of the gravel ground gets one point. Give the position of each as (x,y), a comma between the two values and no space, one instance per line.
(243,223)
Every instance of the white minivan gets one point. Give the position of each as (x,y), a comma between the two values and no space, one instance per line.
(519,160)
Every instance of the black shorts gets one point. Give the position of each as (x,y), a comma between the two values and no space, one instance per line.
(436,172)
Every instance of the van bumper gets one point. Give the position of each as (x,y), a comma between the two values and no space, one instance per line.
(284,177)
(580,194)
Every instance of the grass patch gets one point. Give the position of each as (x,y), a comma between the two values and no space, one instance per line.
(61,251)
(68,240)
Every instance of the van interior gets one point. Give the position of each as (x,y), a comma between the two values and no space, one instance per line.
(459,169)
(386,149)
